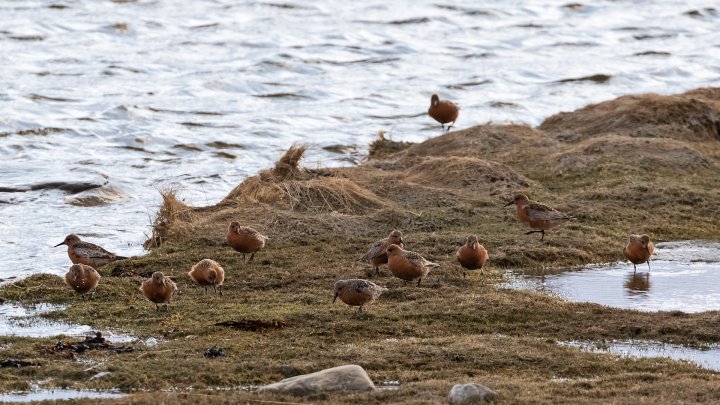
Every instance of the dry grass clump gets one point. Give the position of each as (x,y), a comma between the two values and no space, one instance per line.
(466,172)
(649,115)
(655,153)
(172,211)
(288,186)
(383,147)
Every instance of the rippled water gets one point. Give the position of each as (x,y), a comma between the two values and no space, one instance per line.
(57,395)
(683,277)
(118,98)
(17,320)
(707,357)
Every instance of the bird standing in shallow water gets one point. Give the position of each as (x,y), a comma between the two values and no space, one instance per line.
(443,111)
(158,289)
(87,253)
(82,279)
(472,255)
(245,239)
(207,272)
(377,255)
(638,250)
(356,292)
(539,217)
(407,265)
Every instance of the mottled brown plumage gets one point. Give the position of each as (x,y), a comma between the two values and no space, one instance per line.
(356,292)
(245,239)
(472,255)
(208,273)
(539,217)
(407,265)
(443,111)
(376,255)
(638,250)
(83,279)
(87,253)
(158,289)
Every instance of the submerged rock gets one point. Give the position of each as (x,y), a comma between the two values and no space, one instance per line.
(349,378)
(471,393)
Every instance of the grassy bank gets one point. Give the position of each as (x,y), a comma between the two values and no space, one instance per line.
(637,164)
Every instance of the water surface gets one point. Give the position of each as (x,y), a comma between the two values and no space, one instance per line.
(684,276)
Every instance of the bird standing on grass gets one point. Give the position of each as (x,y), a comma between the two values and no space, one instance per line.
(208,272)
(82,279)
(376,255)
(87,253)
(472,255)
(539,217)
(407,265)
(245,239)
(638,250)
(356,292)
(158,289)
(443,111)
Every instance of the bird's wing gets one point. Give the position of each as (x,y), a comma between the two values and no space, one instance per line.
(376,250)
(418,260)
(252,233)
(543,212)
(85,249)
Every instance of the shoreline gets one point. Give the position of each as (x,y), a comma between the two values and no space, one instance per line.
(636,164)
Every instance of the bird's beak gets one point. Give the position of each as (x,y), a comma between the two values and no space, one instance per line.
(335,298)
(61,243)
(402,241)
(510,203)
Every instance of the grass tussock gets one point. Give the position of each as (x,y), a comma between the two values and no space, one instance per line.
(383,147)
(172,213)
(448,330)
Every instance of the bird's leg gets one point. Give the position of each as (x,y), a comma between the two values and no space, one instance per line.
(252,257)
(634,268)
(221,289)
(377,270)
(464,275)
(443,127)
(648,262)
(83,296)
(92,294)
(167,307)
(419,280)
(543,235)
(205,290)
(157,308)
(214,288)
(243,256)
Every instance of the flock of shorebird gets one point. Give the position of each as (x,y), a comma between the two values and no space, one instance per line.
(403,264)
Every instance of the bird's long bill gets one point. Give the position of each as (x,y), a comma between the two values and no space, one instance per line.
(508,204)
(61,243)
(335,298)
(402,241)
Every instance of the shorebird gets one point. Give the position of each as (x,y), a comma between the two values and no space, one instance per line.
(472,255)
(207,273)
(82,279)
(407,265)
(158,289)
(638,250)
(443,111)
(357,293)
(537,216)
(377,255)
(245,239)
(87,253)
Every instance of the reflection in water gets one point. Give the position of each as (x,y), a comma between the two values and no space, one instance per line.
(637,283)
(56,395)
(706,357)
(680,282)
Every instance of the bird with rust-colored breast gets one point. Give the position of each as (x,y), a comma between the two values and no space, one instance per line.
(376,255)
(539,217)
(407,265)
(638,250)
(208,273)
(83,279)
(472,255)
(87,253)
(356,292)
(158,289)
(443,111)
(245,239)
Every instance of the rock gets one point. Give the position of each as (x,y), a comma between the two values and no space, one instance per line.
(343,378)
(472,393)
